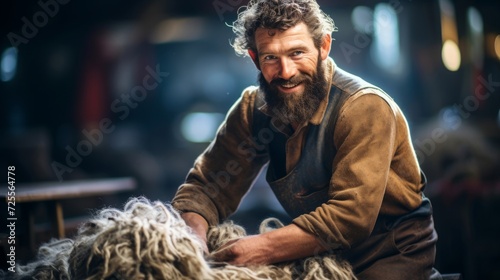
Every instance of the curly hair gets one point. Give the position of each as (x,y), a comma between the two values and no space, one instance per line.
(281,15)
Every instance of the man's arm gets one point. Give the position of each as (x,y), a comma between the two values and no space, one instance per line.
(283,244)
(224,172)
(199,226)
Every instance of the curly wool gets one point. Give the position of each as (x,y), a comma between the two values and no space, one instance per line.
(51,263)
(149,240)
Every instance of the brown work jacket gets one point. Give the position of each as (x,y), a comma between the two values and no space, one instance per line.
(374,170)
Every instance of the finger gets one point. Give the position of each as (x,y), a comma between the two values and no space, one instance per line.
(228,244)
(222,255)
(225,252)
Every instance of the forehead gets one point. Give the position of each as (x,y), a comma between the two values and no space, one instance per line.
(274,40)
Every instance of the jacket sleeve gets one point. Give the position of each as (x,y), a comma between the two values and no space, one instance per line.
(365,139)
(224,172)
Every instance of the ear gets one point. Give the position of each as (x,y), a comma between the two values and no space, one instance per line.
(326,46)
(254,57)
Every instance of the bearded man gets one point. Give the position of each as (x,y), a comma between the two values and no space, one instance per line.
(338,150)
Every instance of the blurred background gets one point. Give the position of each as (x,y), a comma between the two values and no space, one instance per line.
(108,89)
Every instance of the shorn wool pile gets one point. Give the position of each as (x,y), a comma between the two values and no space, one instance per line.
(149,240)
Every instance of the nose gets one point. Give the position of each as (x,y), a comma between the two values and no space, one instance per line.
(288,68)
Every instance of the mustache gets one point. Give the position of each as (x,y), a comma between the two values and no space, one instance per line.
(294,80)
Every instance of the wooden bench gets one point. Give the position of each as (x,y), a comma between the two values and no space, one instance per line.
(51,194)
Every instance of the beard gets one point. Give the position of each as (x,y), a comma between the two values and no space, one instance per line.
(295,108)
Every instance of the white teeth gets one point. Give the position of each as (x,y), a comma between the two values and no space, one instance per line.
(289,85)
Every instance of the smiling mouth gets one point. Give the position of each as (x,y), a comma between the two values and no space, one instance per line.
(289,85)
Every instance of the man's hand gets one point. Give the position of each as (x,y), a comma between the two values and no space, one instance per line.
(199,225)
(283,244)
(244,251)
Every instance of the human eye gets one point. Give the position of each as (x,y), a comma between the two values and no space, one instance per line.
(297,53)
(270,57)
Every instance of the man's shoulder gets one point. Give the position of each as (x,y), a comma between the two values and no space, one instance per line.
(355,88)
(350,83)
(381,94)
(250,91)
(249,95)
(374,101)
(372,91)
(244,106)
(250,98)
